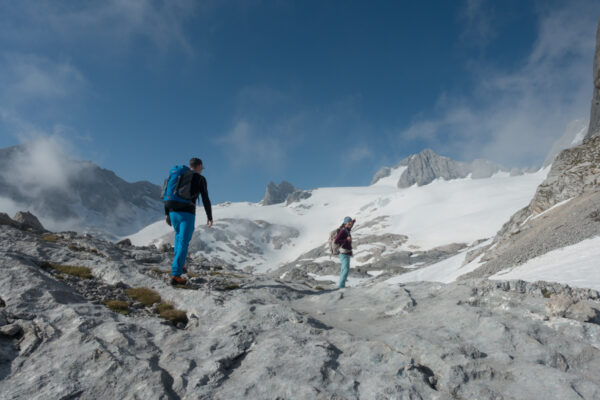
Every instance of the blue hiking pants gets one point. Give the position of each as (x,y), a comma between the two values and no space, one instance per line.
(345,259)
(183,223)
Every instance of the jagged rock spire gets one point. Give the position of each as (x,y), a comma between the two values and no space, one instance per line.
(594,129)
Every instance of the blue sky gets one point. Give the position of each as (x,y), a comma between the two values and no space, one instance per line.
(319,93)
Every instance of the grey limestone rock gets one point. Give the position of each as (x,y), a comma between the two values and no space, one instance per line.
(285,192)
(11,330)
(594,127)
(28,220)
(561,213)
(255,336)
(427,166)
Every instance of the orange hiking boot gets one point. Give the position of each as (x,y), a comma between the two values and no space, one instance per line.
(178,280)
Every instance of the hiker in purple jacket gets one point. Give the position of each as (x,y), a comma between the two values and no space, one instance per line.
(344,240)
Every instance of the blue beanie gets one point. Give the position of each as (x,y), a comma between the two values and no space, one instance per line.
(347,219)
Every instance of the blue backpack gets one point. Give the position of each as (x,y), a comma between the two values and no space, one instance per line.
(178,186)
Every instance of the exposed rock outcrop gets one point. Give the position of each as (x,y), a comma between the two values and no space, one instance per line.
(261,337)
(28,220)
(285,192)
(427,166)
(594,128)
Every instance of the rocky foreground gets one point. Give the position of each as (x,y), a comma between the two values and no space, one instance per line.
(114,329)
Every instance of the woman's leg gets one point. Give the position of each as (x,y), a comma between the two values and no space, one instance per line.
(345,259)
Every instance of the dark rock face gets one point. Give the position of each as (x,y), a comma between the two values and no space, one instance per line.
(594,128)
(284,192)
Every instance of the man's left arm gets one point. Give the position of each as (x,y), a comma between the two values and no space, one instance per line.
(206,199)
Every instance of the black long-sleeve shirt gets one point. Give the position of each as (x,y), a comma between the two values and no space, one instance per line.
(200,188)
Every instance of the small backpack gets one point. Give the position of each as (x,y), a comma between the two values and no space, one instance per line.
(178,186)
(334,248)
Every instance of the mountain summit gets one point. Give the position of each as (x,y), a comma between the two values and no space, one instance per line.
(427,166)
(75,195)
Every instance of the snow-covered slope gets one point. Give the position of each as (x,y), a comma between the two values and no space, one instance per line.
(577,265)
(443,212)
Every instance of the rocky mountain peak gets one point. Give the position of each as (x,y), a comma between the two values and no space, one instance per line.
(425,167)
(594,128)
(75,195)
(284,192)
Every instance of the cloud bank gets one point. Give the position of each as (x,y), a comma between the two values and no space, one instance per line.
(514,117)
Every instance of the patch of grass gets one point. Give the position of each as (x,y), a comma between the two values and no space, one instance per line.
(144,295)
(319,288)
(80,272)
(162,307)
(230,286)
(50,238)
(185,287)
(174,316)
(121,307)
(546,293)
(74,247)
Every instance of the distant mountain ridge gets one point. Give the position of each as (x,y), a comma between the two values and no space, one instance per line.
(88,198)
(427,166)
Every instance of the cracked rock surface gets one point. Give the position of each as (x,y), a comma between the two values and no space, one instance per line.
(258,337)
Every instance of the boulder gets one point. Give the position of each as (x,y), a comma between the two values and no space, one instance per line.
(6,220)
(11,330)
(124,243)
(276,194)
(28,220)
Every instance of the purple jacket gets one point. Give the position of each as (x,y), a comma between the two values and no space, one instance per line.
(342,240)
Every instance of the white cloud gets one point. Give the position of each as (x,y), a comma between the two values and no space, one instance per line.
(477,18)
(110,23)
(245,147)
(358,154)
(39,165)
(515,116)
(29,78)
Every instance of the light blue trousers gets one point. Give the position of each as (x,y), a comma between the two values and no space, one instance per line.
(183,223)
(345,259)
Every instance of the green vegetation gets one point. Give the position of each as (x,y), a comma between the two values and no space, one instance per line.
(546,293)
(230,286)
(144,295)
(121,307)
(162,307)
(80,272)
(50,238)
(319,288)
(74,247)
(174,316)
